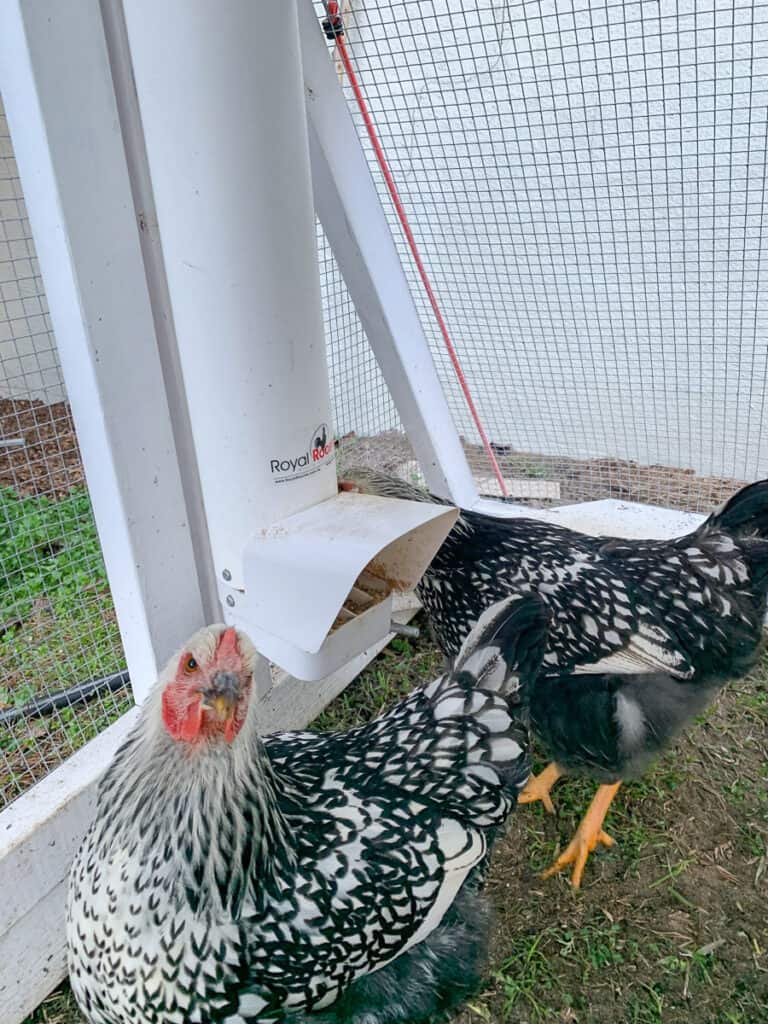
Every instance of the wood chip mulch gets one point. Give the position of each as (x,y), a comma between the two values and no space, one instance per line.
(48,463)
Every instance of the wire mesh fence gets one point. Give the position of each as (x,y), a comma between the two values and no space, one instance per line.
(361,401)
(587,186)
(57,624)
(365,418)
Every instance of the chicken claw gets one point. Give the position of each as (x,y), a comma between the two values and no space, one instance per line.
(539,786)
(588,835)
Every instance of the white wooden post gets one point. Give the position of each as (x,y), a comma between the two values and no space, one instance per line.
(350,211)
(59,100)
(165,328)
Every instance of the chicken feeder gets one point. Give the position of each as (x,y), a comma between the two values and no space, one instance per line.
(318,585)
(286,552)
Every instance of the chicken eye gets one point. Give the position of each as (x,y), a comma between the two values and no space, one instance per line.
(191,665)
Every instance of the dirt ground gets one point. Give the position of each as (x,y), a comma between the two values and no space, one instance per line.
(670,926)
(49,461)
(578,479)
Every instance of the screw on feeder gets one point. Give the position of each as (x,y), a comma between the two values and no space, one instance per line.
(230,601)
(226,575)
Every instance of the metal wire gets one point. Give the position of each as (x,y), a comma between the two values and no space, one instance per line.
(586,183)
(332,9)
(365,417)
(57,624)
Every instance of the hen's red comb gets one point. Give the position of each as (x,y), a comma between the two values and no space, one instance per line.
(228,642)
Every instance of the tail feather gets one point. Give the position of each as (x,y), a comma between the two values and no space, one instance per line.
(745,514)
(507,644)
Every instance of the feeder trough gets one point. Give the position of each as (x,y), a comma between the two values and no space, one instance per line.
(318,585)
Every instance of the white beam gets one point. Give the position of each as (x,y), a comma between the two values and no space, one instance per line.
(608,517)
(354,222)
(39,835)
(165,328)
(58,94)
(613,518)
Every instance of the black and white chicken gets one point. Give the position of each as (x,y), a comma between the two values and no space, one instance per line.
(642,634)
(300,877)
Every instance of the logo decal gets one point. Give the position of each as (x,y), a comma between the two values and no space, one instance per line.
(320,448)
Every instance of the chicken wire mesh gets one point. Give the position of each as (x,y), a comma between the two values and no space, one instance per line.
(57,623)
(587,186)
(365,417)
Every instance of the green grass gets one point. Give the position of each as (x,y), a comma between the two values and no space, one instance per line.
(51,570)
(45,546)
(57,628)
(399,668)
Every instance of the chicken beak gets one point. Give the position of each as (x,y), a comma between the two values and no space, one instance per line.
(223,708)
(223,696)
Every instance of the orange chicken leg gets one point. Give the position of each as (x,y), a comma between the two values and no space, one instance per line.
(538,787)
(588,835)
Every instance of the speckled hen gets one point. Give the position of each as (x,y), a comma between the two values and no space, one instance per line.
(642,632)
(300,877)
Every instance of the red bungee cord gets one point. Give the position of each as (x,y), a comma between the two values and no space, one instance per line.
(334,29)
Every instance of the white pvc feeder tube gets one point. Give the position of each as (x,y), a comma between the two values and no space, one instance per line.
(221,97)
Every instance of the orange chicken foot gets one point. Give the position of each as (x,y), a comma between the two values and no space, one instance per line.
(588,835)
(538,787)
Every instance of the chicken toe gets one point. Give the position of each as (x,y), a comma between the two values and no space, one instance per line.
(588,835)
(538,787)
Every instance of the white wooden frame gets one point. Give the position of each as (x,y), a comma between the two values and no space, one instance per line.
(146,216)
(61,108)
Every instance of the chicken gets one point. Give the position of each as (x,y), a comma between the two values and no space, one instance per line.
(300,877)
(642,634)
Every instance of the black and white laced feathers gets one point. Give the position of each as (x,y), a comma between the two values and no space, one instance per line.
(642,633)
(229,878)
(689,607)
